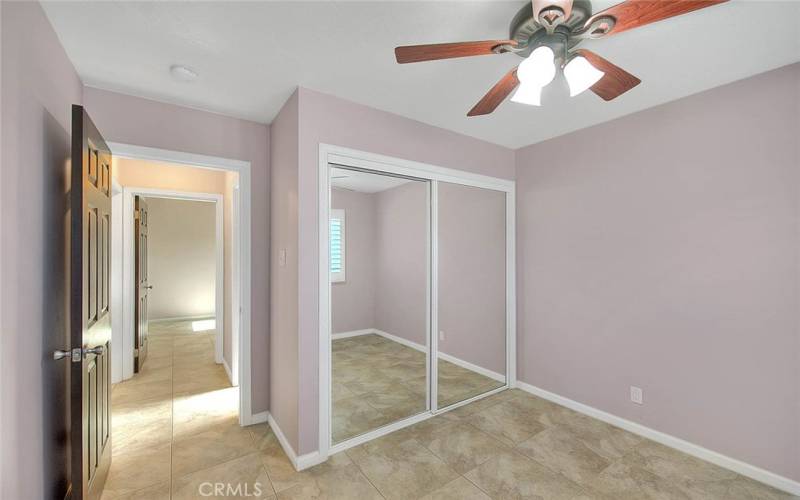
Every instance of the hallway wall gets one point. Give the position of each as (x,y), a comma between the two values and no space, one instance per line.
(39,86)
(182,259)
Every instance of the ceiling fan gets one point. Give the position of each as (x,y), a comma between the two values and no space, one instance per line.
(546,33)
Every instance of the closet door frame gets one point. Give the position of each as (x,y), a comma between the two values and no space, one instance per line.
(337,155)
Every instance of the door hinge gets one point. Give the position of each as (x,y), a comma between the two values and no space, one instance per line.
(136,353)
(136,215)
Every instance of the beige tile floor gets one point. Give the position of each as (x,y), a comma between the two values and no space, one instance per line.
(377,381)
(169,444)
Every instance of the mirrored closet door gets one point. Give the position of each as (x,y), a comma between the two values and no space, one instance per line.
(379,259)
(471,305)
(420,291)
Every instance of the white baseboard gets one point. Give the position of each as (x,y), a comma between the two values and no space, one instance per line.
(257,418)
(745,469)
(354,333)
(419,347)
(182,318)
(400,340)
(499,377)
(227,370)
(303,461)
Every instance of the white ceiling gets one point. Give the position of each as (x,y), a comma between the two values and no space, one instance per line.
(252,55)
(364,182)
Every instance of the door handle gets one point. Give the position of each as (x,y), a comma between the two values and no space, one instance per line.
(149,287)
(74,354)
(99,350)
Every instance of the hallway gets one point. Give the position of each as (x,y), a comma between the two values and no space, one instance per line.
(175,418)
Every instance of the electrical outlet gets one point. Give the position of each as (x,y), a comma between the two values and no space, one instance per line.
(441,335)
(636,395)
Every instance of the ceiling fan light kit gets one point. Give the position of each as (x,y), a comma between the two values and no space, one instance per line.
(546,34)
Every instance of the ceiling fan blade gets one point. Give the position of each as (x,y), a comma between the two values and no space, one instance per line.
(636,13)
(418,53)
(496,94)
(564,5)
(616,80)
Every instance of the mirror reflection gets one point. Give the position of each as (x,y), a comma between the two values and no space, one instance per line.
(379,284)
(472,292)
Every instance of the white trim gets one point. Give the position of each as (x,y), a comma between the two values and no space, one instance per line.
(511,287)
(353,158)
(303,461)
(324,289)
(259,418)
(117,303)
(228,371)
(380,431)
(352,333)
(121,150)
(329,154)
(400,424)
(400,340)
(241,280)
(183,318)
(432,362)
(236,292)
(745,469)
(499,377)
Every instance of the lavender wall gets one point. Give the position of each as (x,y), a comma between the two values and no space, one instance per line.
(402,257)
(327,119)
(38,87)
(353,301)
(284,360)
(133,120)
(472,275)
(662,252)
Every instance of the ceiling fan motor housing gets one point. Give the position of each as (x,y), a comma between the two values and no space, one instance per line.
(530,33)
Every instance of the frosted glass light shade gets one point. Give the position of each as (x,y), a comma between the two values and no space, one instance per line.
(539,68)
(581,75)
(528,93)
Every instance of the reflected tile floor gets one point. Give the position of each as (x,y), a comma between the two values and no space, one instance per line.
(508,445)
(377,381)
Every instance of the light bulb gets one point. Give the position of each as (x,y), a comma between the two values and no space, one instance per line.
(527,93)
(539,68)
(581,75)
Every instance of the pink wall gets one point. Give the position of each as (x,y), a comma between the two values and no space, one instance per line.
(284,361)
(142,122)
(39,86)
(472,275)
(662,252)
(327,119)
(402,258)
(386,238)
(353,302)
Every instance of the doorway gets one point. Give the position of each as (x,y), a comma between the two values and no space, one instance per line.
(233,273)
(435,329)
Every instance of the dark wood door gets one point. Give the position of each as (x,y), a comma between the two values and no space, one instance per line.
(90,317)
(142,285)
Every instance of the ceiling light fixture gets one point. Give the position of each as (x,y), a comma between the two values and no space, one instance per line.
(534,73)
(581,75)
(182,73)
(561,25)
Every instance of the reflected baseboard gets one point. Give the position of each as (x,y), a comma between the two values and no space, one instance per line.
(499,377)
